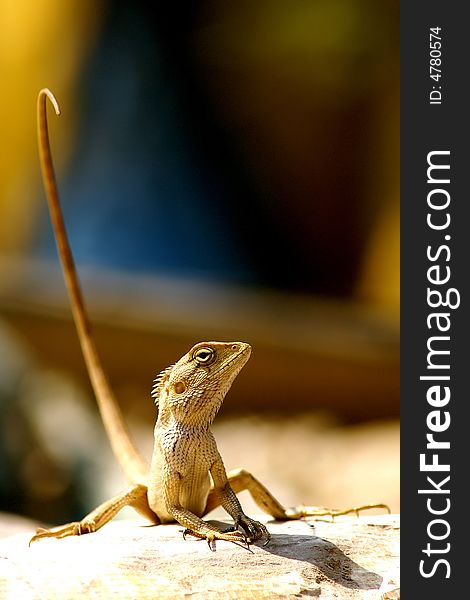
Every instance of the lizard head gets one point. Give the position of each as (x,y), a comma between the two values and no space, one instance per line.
(192,390)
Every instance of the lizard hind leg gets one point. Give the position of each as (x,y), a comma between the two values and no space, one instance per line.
(135,496)
(241,480)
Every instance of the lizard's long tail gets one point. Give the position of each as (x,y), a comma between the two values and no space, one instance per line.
(126,454)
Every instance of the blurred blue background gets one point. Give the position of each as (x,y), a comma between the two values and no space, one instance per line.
(247,142)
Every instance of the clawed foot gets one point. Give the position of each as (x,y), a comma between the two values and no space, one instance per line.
(314,511)
(76,528)
(237,537)
(252,531)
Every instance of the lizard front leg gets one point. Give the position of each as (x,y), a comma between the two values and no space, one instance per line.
(225,496)
(241,480)
(195,525)
(135,496)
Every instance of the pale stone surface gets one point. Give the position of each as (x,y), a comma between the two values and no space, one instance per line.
(350,558)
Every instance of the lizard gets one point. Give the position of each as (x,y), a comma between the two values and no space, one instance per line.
(187,476)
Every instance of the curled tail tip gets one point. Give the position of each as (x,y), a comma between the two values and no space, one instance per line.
(46,92)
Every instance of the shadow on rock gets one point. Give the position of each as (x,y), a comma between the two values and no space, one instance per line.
(332,562)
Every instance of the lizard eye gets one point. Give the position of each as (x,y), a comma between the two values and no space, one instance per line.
(204,356)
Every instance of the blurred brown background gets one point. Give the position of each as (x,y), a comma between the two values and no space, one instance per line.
(228,171)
